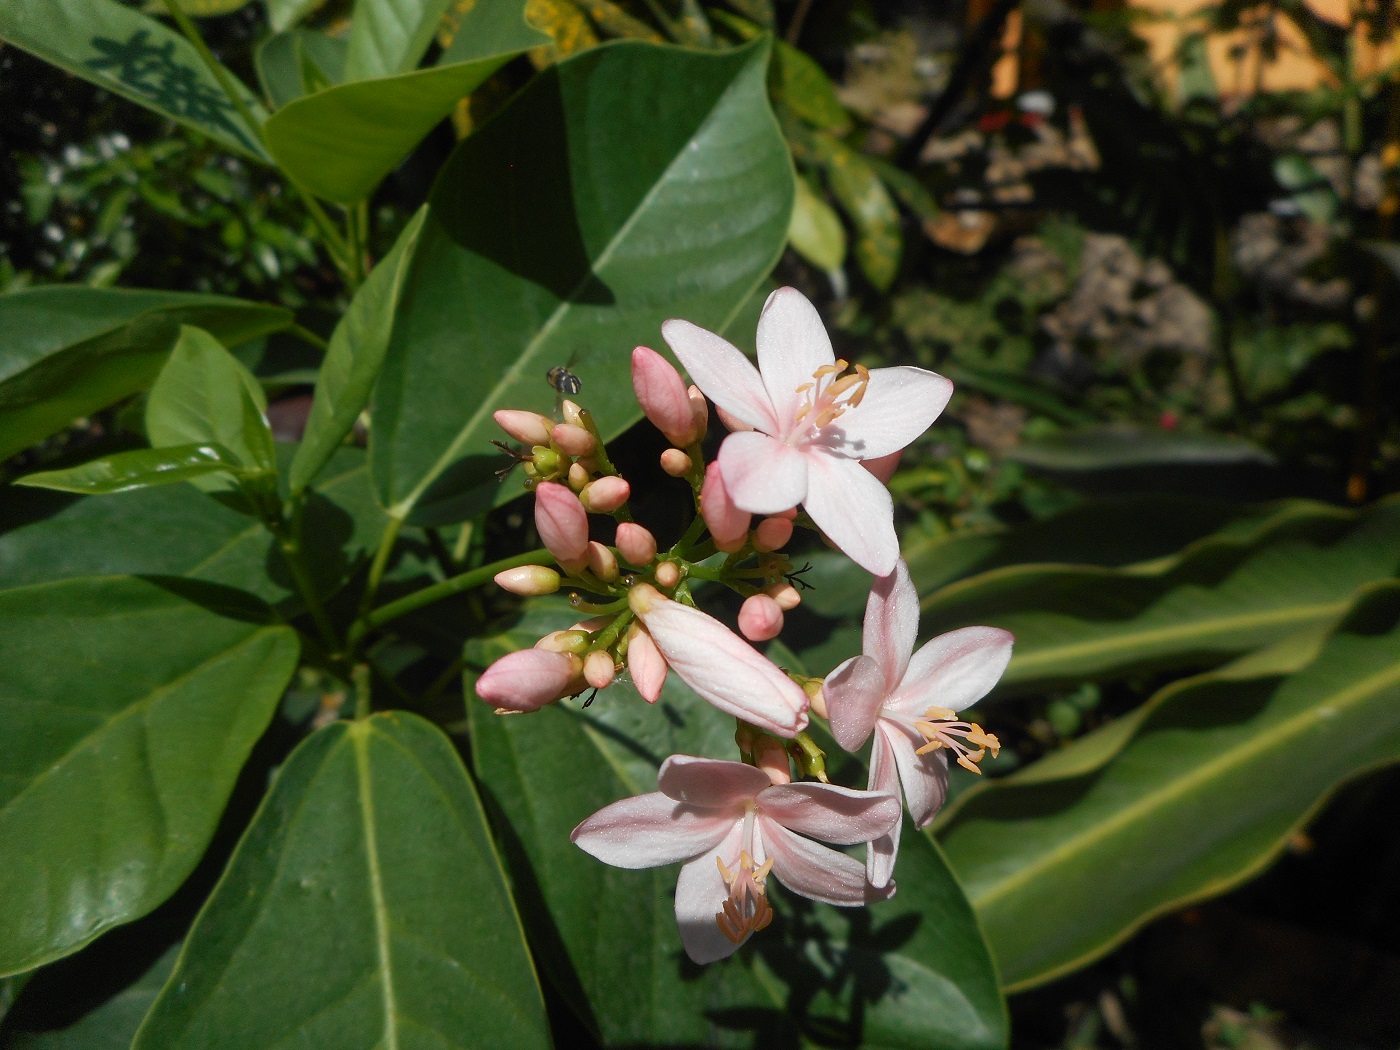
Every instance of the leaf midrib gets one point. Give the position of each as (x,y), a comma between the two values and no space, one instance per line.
(360,742)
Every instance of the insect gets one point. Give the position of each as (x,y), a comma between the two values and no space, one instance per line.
(563,380)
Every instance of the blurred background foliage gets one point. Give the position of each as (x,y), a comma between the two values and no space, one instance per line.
(1153,249)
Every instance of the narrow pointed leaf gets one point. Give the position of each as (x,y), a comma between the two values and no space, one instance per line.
(626,185)
(1205,795)
(354,359)
(118,48)
(129,706)
(364,907)
(139,469)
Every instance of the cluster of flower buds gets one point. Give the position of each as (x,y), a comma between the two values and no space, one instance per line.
(804,430)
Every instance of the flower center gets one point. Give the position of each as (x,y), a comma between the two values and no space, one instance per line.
(746,908)
(940,728)
(830,393)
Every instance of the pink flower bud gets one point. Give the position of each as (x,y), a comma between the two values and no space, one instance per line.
(635,543)
(599,669)
(645,664)
(772,534)
(602,562)
(760,618)
(528,580)
(728,525)
(883,467)
(785,594)
(563,525)
(772,757)
(699,411)
(668,574)
(578,477)
(570,641)
(572,413)
(661,393)
(529,679)
(675,462)
(573,440)
(529,428)
(605,495)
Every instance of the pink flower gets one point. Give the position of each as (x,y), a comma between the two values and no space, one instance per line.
(719,666)
(732,827)
(812,426)
(910,701)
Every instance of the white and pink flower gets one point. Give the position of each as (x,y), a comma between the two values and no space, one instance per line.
(732,827)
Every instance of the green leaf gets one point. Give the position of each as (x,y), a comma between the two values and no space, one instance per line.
(283,14)
(204,395)
(297,62)
(1204,796)
(138,469)
(354,358)
(364,907)
(863,196)
(1218,599)
(198,8)
(390,36)
(69,351)
(129,707)
(340,142)
(803,86)
(45,536)
(1116,448)
(815,232)
(623,186)
(118,48)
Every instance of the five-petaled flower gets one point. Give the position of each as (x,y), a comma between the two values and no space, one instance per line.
(812,424)
(733,828)
(910,701)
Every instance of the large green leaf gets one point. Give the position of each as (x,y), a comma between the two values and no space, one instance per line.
(69,351)
(129,706)
(341,141)
(1204,796)
(390,36)
(122,50)
(138,469)
(1116,448)
(626,185)
(297,62)
(910,972)
(1220,598)
(45,536)
(354,359)
(364,907)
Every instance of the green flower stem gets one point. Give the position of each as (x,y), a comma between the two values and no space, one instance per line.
(289,544)
(692,533)
(360,677)
(380,564)
(446,589)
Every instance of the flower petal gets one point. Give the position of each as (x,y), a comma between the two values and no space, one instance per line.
(854,694)
(925,777)
(953,670)
(891,624)
(792,344)
(899,405)
(721,667)
(646,665)
(710,783)
(814,870)
(853,508)
(649,830)
(833,814)
(761,474)
(700,896)
(880,853)
(722,373)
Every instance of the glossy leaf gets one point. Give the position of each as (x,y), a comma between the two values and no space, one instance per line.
(118,48)
(815,232)
(390,36)
(364,907)
(1114,448)
(354,358)
(1220,598)
(138,469)
(204,395)
(69,351)
(624,186)
(129,706)
(863,197)
(341,141)
(1204,796)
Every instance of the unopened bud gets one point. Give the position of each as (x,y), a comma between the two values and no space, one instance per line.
(573,440)
(562,524)
(528,580)
(728,525)
(635,543)
(544,460)
(785,594)
(570,641)
(699,411)
(772,534)
(883,467)
(572,413)
(733,424)
(529,428)
(760,618)
(645,663)
(813,688)
(675,462)
(602,562)
(771,756)
(668,574)
(578,477)
(529,679)
(599,669)
(662,395)
(606,494)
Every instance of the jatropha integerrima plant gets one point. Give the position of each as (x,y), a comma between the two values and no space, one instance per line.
(805,430)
